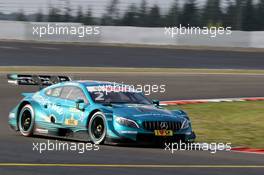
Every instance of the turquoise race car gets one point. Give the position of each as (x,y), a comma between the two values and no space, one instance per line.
(94,111)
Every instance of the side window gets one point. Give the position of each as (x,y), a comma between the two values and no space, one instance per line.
(66,91)
(73,93)
(48,92)
(54,92)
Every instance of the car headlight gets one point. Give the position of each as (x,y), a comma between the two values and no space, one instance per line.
(126,122)
(185,124)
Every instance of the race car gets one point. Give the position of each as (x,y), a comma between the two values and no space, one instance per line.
(94,111)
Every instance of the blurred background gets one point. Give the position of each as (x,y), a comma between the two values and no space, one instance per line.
(244,15)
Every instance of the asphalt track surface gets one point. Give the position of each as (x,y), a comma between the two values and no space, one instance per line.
(33,54)
(109,159)
(18,149)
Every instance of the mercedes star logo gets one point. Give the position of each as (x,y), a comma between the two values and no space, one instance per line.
(164,125)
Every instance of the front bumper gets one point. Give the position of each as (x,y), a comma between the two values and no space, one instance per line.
(151,139)
(12,121)
(119,133)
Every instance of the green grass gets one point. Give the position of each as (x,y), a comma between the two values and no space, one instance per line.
(240,123)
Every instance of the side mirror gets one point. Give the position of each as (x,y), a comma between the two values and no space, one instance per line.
(156,102)
(80,104)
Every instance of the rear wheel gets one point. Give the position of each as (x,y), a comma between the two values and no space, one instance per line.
(97,128)
(26,121)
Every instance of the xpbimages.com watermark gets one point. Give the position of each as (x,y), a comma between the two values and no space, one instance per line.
(60,29)
(211,32)
(51,146)
(211,147)
(147,89)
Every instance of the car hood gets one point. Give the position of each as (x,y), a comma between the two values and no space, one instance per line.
(143,112)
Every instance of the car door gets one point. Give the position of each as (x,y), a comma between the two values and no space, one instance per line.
(72,116)
(53,105)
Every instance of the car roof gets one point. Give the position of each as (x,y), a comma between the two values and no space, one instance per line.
(96,83)
(86,83)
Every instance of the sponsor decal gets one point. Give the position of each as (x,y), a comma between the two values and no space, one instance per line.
(71,121)
(42,131)
(40,99)
(43,101)
(163,132)
(57,109)
(81,117)
(81,114)
(74,110)
(94,88)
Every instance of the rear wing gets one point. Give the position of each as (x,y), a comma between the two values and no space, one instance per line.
(36,80)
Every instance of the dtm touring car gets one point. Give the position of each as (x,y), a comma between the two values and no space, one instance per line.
(81,110)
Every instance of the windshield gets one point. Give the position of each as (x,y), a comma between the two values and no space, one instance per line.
(119,97)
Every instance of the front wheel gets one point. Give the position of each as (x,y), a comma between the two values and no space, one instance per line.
(97,128)
(26,121)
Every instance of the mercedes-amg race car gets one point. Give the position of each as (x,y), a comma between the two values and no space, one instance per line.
(95,111)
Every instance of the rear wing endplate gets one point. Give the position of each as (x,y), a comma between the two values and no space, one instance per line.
(36,80)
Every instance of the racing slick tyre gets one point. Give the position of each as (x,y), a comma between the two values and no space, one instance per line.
(97,128)
(26,121)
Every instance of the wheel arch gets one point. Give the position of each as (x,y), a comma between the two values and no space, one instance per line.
(89,122)
(91,114)
(21,105)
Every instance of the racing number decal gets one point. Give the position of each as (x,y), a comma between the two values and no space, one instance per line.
(100,96)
